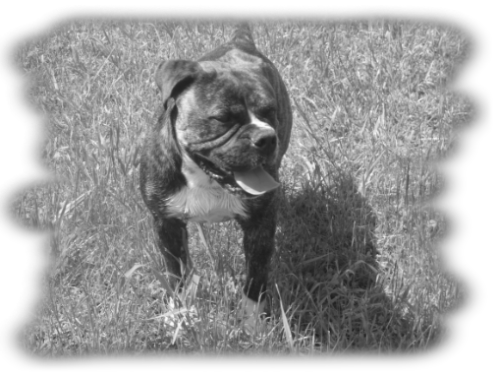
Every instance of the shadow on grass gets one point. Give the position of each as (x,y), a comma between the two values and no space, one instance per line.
(326,271)
(326,229)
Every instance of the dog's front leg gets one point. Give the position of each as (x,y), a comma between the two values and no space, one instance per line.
(258,244)
(173,244)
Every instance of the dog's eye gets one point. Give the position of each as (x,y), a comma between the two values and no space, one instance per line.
(268,111)
(268,114)
(221,118)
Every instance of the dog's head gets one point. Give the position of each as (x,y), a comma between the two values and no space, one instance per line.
(224,117)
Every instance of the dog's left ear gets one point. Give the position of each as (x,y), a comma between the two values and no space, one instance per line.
(173,76)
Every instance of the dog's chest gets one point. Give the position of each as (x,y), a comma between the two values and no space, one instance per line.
(203,199)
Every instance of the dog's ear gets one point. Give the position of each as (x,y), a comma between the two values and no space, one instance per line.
(174,76)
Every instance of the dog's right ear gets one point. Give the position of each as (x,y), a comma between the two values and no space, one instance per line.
(174,76)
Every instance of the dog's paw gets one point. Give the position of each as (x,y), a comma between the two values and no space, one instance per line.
(250,314)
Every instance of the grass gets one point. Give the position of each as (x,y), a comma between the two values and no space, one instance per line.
(356,267)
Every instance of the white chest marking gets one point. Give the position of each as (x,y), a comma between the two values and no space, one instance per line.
(203,199)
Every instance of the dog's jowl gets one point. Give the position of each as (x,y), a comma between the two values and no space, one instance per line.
(214,155)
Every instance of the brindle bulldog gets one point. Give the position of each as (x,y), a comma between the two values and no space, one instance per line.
(214,155)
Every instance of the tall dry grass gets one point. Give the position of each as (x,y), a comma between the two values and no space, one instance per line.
(356,266)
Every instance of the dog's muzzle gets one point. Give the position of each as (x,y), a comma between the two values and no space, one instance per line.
(265,141)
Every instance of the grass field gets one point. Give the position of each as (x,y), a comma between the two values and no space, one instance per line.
(356,266)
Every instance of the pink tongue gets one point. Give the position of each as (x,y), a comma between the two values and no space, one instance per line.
(256,181)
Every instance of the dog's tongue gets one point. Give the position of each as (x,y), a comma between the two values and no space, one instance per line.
(256,181)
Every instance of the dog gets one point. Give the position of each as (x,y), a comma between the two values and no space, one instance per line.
(214,155)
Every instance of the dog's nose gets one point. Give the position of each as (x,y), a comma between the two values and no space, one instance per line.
(265,141)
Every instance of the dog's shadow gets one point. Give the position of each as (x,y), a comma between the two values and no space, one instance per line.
(325,245)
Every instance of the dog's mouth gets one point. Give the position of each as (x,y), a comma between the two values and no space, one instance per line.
(255,181)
